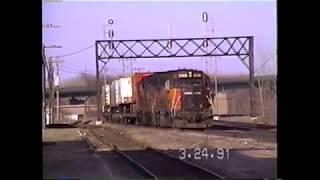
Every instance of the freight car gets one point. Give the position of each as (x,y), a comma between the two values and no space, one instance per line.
(168,99)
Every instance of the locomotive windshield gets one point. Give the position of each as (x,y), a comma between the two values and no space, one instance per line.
(188,83)
(193,86)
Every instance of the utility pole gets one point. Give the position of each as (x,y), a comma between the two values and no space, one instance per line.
(44,64)
(51,92)
(56,85)
(57,89)
(49,67)
(51,87)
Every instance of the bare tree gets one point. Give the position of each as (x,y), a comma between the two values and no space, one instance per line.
(260,87)
(211,102)
(265,84)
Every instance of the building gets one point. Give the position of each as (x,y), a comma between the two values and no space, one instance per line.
(75,103)
(233,96)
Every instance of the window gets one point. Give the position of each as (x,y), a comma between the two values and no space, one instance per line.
(182,75)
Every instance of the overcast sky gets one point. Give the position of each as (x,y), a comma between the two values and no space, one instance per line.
(81,24)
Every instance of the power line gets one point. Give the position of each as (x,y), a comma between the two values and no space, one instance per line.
(76,72)
(76,52)
(73,69)
(63,70)
(91,70)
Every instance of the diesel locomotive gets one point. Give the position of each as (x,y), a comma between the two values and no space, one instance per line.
(178,98)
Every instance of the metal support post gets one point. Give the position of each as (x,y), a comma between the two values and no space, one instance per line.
(251,72)
(98,98)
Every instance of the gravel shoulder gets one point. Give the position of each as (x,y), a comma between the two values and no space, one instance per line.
(165,139)
(250,157)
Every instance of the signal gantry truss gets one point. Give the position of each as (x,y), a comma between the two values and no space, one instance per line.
(166,48)
(241,46)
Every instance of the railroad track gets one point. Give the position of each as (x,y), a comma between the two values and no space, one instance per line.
(159,165)
(154,164)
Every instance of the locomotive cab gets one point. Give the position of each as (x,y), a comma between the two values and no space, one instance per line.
(195,107)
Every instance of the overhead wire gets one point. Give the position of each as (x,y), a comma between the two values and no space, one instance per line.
(73,69)
(73,53)
(90,70)
(68,71)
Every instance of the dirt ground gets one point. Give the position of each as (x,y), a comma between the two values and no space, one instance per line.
(249,157)
(165,139)
(65,154)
